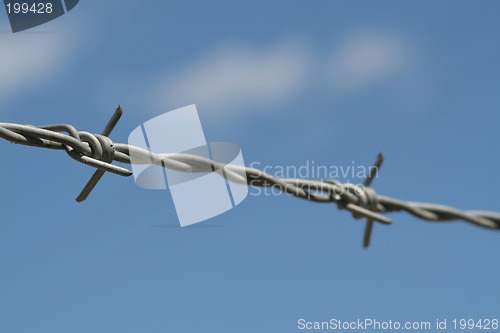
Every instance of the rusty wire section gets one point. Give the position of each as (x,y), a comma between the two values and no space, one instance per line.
(98,151)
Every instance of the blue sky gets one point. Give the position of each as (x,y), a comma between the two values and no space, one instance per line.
(289,81)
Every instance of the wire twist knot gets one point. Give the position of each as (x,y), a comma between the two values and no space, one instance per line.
(98,151)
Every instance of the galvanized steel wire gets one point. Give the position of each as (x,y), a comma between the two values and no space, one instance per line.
(98,151)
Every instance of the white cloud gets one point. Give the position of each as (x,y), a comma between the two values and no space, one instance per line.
(235,76)
(29,58)
(367,59)
(228,79)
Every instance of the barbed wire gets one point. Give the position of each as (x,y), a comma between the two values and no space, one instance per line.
(98,151)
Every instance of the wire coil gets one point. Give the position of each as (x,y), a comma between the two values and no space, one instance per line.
(98,151)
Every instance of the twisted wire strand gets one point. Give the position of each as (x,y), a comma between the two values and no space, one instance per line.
(99,151)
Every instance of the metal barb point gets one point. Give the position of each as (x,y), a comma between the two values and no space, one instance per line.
(369,223)
(113,121)
(96,177)
(95,150)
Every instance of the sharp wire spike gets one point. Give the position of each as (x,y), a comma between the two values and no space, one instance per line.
(372,174)
(98,151)
(96,177)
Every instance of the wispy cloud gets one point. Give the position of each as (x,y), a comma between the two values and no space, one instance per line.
(30,58)
(237,75)
(366,59)
(229,78)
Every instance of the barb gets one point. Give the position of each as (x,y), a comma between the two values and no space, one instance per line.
(98,151)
